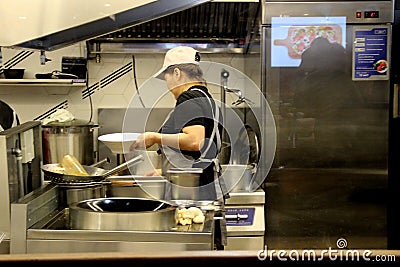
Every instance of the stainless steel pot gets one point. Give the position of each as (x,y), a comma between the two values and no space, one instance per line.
(237,177)
(149,187)
(72,194)
(74,137)
(184,183)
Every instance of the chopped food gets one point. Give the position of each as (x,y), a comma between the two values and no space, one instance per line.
(190,215)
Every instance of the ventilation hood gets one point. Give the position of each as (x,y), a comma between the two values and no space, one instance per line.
(212,27)
(52,24)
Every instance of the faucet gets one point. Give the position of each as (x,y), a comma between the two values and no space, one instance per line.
(43,58)
(241,99)
(224,88)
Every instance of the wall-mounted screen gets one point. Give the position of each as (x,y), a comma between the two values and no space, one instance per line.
(291,36)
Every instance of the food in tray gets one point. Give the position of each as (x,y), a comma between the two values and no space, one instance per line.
(299,38)
(187,216)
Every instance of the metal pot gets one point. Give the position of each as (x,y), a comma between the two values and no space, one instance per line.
(184,183)
(72,194)
(74,137)
(238,178)
(150,187)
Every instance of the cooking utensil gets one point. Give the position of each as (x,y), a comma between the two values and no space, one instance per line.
(185,183)
(246,148)
(55,75)
(71,137)
(44,75)
(101,162)
(60,75)
(56,172)
(75,193)
(120,214)
(238,178)
(151,187)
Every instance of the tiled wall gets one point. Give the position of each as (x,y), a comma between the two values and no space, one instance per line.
(111,82)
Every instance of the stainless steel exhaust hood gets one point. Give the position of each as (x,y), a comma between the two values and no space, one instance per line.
(52,24)
(218,26)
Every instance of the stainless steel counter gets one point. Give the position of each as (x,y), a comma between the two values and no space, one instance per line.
(39,226)
(245,220)
(20,159)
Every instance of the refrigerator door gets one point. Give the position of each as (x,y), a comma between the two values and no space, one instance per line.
(328,85)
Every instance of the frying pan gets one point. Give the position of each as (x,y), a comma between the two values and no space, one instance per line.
(246,148)
(56,173)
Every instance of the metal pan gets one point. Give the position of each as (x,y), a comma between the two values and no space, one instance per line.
(246,148)
(55,172)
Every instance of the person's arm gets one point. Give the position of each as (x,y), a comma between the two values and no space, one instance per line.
(191,139)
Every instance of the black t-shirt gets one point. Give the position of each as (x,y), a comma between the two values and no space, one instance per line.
(7,118)
(193,108)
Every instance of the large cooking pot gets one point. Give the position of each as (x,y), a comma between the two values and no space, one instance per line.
(73,137)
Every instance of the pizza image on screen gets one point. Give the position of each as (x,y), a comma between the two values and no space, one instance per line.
(299,38)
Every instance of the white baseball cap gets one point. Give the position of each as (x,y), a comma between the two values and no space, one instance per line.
(178,55)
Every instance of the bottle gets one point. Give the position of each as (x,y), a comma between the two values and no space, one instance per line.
(72,166)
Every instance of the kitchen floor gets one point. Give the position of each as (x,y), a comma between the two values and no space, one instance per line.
(313,209)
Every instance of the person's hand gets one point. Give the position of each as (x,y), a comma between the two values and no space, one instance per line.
(156,172)
(144,141)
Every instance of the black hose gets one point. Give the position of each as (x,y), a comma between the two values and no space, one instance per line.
(135,81)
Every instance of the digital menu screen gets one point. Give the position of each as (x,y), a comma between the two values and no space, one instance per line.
(291,36)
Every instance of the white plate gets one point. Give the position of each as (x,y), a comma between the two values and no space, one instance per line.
(119,143)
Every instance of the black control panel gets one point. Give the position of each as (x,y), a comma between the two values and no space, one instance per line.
(367,14)
(74,65)
(371,14)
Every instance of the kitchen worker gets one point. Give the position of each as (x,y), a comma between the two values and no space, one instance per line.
(190,137)
(8,116)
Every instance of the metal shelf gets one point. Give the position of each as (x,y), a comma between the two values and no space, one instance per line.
(43,82)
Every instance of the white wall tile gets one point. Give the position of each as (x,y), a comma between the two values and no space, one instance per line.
(32,101)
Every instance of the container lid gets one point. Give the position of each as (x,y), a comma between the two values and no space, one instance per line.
(72,123)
